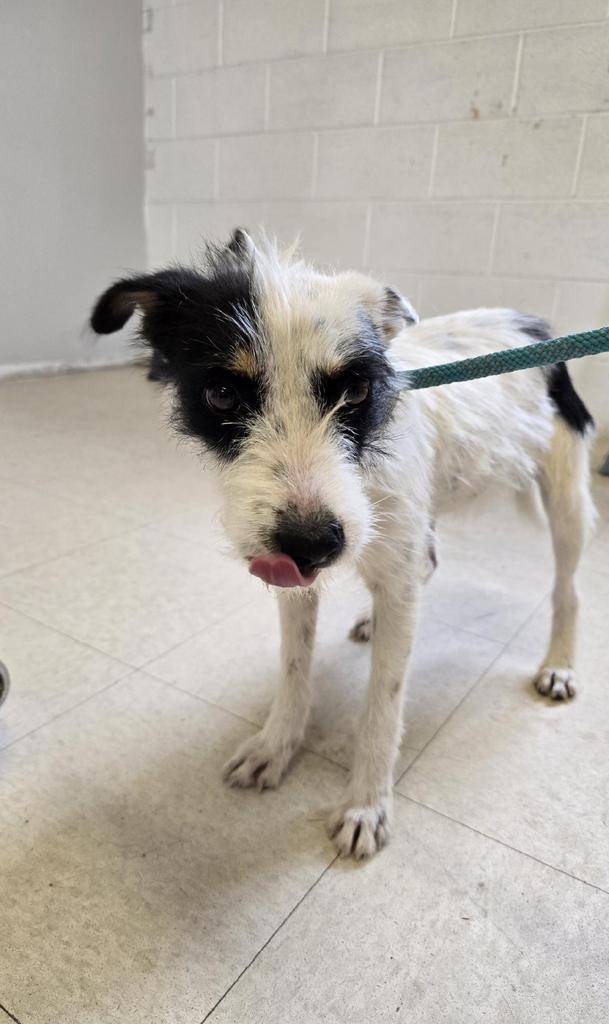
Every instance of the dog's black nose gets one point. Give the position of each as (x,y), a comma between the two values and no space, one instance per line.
(313,542)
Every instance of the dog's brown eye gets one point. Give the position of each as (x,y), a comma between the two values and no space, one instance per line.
(357,391)
(221,398)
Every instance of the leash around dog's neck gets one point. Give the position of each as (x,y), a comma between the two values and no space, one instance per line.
(542,353)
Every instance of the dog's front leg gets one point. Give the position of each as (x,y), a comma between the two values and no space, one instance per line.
(263,759)
(361,824)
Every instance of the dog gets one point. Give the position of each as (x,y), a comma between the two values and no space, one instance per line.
(288,377)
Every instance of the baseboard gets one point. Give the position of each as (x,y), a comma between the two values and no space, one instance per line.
(21,370)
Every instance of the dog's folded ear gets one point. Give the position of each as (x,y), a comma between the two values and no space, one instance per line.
(159,297)
(119,302)
(396,313)
(242,245)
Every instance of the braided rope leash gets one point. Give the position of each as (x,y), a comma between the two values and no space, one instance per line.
(542,353)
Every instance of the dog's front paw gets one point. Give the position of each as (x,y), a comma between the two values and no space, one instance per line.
(258,762)
(557,683)
(360,831)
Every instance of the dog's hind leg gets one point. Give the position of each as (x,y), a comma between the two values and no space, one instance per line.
(263,759)
(361,631)
(563,480)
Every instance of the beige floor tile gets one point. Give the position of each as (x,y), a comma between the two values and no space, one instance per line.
(199,525)
(133,884)
(447,927)
(36,527)
(132,597)
(532,773)
(235,666)
(467,594)
(140,488)
(103,440)
(495,566)
(116,407)
(49,674)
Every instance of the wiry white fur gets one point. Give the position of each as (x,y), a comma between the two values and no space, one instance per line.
(439,443)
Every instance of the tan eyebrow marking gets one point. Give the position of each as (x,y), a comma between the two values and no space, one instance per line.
(244,361)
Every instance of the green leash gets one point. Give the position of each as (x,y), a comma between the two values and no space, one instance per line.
(542,353)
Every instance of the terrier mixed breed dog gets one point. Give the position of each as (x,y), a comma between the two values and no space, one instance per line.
(288,376)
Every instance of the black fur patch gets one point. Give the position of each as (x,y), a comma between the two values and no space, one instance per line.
(196,321)
(534,326)
(365,361)
(566,400)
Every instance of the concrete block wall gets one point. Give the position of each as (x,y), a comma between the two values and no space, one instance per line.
(458,149)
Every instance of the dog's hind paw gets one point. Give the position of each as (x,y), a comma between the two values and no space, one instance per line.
(361,631)
(258,763)
(557,683)
(360,832)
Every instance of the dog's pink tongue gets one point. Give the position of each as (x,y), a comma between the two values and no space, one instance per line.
(280,570)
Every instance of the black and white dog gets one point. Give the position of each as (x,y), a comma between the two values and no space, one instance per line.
(288,376)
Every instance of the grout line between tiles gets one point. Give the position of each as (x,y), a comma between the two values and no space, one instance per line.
(270,938)
(235,714)
(9,1014)
(67,636)
(479,679)
(67,711)
(475,684)
(501,842)
(66,554)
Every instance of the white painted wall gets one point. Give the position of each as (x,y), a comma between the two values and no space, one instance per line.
(71,171)
(457,148)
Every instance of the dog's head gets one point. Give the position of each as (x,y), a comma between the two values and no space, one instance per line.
(283,375)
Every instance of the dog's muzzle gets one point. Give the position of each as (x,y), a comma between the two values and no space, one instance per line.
(301,547)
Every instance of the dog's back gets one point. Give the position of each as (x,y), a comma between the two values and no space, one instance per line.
(498,428)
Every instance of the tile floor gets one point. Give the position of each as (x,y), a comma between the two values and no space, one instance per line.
(134,887)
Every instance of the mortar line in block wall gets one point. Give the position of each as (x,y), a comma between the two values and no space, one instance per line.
(174,108)
(315,164)
(173,227)
(325,32)
(439,41)
(494,233)
(378,88)
(367,230)
(220,41)
(516,83)
(396,203)
(453,19)
(267,96)
(554,308)
(217,169)
(580,151)
(434,157)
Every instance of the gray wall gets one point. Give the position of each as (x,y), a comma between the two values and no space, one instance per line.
(71,171)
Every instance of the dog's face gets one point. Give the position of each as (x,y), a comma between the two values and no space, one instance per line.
(282,373)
